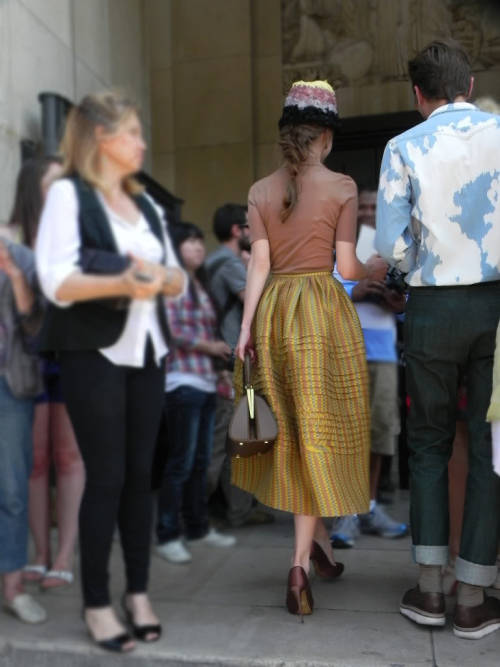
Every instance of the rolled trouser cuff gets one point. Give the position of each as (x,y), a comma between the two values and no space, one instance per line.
(475,574)
(425,554)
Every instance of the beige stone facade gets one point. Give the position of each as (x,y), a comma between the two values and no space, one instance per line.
(210,74)
(219,69)
(70,47)
(362,46)
(216,95)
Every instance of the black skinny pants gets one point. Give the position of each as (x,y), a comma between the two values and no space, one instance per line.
(115,412)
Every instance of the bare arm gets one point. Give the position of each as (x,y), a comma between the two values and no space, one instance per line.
(23,294)
(214,348)
(258,271)
(174,282)
(85,287)
(348,263)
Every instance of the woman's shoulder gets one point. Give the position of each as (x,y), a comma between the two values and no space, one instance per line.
(267,184)
(342,180)
(342,186)
(62,187)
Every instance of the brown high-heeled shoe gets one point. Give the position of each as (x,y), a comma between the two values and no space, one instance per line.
(322,565)
(299,599)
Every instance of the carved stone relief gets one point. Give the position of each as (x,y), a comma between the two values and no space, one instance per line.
(360,42)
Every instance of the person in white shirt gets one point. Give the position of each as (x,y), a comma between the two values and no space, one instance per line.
(105,261)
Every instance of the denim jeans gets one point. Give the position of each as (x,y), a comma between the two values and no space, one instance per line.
(16,452)
(189,418)
(450,331)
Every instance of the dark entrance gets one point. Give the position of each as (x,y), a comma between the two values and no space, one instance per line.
(359,144)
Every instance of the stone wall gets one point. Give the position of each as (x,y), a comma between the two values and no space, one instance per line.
(362,46)
(219,69)
(210,74)
(70,47)
(216,96)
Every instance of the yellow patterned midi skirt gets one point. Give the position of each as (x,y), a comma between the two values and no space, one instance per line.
(311,367)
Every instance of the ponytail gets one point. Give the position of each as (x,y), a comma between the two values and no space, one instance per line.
(295,142)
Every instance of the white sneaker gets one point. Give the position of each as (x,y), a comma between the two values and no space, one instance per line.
(174,551)
(215,539)
(26,609)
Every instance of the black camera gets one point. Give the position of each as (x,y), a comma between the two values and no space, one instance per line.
(395,279)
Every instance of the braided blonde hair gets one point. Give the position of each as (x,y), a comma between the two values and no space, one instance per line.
(295,142)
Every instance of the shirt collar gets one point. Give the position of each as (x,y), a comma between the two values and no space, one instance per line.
(454,106)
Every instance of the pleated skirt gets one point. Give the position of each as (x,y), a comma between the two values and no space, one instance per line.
(311,367)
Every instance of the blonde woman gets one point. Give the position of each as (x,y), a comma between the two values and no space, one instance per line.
(306,337)
(104,261)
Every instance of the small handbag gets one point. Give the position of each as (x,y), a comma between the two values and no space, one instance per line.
(253,427)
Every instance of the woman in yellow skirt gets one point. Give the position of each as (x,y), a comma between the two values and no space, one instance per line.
(305,336)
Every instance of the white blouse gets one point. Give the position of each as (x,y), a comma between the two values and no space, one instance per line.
(57,255)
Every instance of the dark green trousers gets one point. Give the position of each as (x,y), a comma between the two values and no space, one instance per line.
(450,332)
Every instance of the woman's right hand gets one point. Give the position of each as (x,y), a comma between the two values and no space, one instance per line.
(245,344)
(376,268)
(220,348)
(136,288)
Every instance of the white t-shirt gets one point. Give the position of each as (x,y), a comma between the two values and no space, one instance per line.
(57,256)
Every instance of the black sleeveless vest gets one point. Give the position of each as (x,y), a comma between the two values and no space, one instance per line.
(90,325)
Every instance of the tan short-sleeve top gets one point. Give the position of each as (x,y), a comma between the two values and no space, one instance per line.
(305,241)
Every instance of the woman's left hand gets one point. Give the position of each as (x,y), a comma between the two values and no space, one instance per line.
(173,283)
(245,344)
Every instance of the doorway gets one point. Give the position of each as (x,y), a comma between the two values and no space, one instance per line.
(360,141)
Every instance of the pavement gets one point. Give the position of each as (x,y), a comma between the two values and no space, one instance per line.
(227,608)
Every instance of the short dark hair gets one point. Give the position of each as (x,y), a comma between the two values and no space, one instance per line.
(225,217)
(180,232)
(442,71)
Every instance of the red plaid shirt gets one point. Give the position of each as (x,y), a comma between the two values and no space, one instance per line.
(189,324)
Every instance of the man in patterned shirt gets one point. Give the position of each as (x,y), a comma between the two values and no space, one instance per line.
(438,221)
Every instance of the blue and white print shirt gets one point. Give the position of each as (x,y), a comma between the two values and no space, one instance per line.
(438,207)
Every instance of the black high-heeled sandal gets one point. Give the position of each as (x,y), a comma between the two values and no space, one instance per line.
(141,632)
(115,644)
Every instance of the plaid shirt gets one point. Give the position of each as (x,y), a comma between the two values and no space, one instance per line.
(189,324)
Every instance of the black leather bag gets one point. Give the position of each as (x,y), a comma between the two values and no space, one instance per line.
(253,428)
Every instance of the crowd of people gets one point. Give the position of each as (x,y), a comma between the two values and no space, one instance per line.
(122,349)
